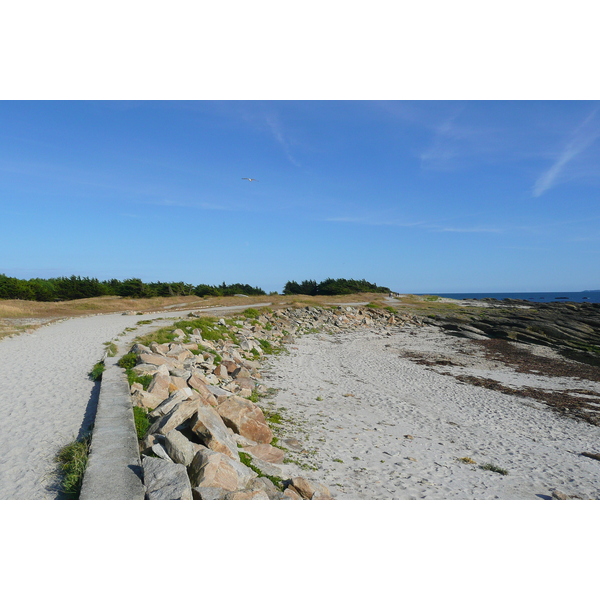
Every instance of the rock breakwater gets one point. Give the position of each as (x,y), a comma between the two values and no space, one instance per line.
(208,438)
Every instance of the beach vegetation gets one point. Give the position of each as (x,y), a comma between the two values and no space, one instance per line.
(111,348)
(142,422)
(494,468)
(246,459)
(143,380)
(72,460)
(467,460)
(96,373)
(128,361)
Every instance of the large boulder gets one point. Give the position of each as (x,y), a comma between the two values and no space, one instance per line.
(165,480)
(159,386)
(246,385)
(175,417)
(179,448)
(175,398)
(145,399)
(215,470)
(210,429)
(197,384)
(221,372)
(153,359)
(245,418)
(159,348)
(309,489)
(177,383)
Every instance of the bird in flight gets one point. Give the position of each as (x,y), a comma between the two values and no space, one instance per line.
(249,179)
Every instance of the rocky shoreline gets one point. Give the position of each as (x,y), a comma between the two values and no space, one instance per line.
(209,438)
(572,329)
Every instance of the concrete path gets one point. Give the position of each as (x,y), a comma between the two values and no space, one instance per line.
(47,399)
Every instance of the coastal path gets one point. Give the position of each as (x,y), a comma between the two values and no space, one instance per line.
(47,399)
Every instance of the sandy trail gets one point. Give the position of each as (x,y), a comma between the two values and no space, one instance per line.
(47,398)
(379,426)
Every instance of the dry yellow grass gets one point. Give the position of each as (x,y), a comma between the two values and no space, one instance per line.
(14,314)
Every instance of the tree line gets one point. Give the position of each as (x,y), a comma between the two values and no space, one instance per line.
(76,287)
(333,287)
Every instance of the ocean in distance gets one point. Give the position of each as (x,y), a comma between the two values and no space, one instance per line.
(585,296)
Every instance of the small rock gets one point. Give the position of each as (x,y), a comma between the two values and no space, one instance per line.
(160,451)
(265,452)
(292,444)
(591,455)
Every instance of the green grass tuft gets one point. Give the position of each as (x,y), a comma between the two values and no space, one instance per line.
(73,460)
(111,348)
(142,422)
(494,468)
(96,373)
(128,361)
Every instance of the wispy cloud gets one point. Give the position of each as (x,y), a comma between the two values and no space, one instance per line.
(453,143)
(186,204)
(369,220)
(431,226)
(581,139)
(469,229)
(278,133)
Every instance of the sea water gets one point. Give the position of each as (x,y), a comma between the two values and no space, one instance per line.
(585,296)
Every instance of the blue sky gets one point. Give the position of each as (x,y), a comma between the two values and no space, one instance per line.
(419,196)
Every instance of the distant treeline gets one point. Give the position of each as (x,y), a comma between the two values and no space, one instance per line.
(333,287)
(75,287)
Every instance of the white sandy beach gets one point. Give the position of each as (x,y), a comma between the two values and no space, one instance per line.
(380,426)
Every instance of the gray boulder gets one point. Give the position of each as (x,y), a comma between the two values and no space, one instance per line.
(165,480)
(179,448)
